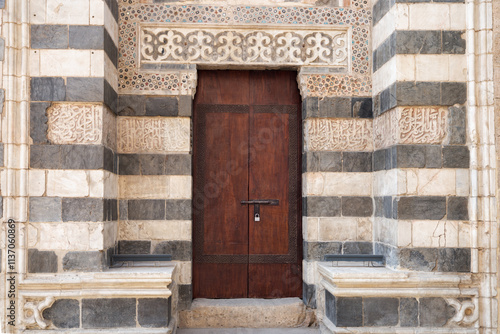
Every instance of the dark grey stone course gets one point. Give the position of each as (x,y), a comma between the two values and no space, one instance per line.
(110,96)
(338,107)
(82,157)
(47,89)
(42,261)
(380,312)
(329,161)
(85,89)
(108,313)
(379,162)
(162,106)
(416,207)
(110,48)
(86,37)
(154,164)
(185,297)
(309,295)
(131,105)
(46,36)
(359,162)
(153,312)
(147,209)
(45,209)
(453,42)
(381,8)
(357,247)
(410,156)
(178,209)
(349,312)
(310,106)
(419,42)
(83,261)
(315,251)
(330,307)
(64,313)
(408,312)
(180,250)
(390,253)
(129,164)
(362,107)
(2,91)
(457,125)
(357,206)
(113,7)
(110,161)
(321,206)
(434,312)
(454,260)
(458,208)
(123,209)
(2,4)
(82,209)
(388,210)
(456,157)
(110,209)
(411,93)
(45,156)
(453,93)
(388,98)
(177,164)
(1,215)
(38,122)
(421,259)
(385,52)
(433,156)
(134,247)
(185,105)
(379,206)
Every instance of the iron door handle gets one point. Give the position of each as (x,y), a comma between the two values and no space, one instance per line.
(256,206)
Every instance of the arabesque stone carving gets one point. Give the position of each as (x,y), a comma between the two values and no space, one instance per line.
(75,123)
(467,312)
(32,312)
(324,134)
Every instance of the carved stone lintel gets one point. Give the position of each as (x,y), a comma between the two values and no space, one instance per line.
(32,312)
(467,312)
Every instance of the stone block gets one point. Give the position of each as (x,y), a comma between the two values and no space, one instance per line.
(390,253)
(315,251)
(453,93)
(179,209)
(38,122)
(388,209)
(309,295)
(408,312)
(349,312)
(380,312)
(362,107)
(456,157)
(433,156)
(357,206)
(379,206)
(185,105)
(334,107)
(45,209)
(85,89)
(180,250)
(128,164)
(82,156)
(357,248)
(434,312)
(42,261)
(86,37)
(154,312)
(47,89)
(419,42)
(67,183)
(134,247)
(64,313)
(418,93)
(329,161)
(310,162)
(123,209)
(454,260)
(110,160)
(83,261)
(113,7)
(49,36)
(457,126)
(421,259)
(162,106)
(380,8)
(131,105)
(385,52)
(175,164)
(458,208)
(110,96)
(388,98)
(82,209)
(453,42)
(410,156)
(322,206)
(310,107)
(185,296)
(109,313)
(150,209)
(379,161)
(330,307)
(360,162)
(425,207)
(110,48)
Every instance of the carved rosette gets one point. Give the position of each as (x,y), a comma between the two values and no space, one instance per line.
(415,125)
(31,315)
(153,134)
(70,123)
(325,134)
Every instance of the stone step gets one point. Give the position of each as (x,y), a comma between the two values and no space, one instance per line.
(246,314)
(249,331)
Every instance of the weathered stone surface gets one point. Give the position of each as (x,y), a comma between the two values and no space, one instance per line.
(411,93)
(310,107)
(434,312)
(179,209)
(362,107)
(410,156)
(379,206)
(322,206)
(185,296)
(253,313)
(357,206)
(110,95)
(49,36)
(357,248)
(154,312)
(180,250)
(86,37)
(309,295)
(454,259)
(331,307)
(108,313)
(83,261)
(47,89)
(388,210)
(85,90)
(334,107)
(82,209)
(149,209)
(456,157)
(38,122)
(424,259)
(131,105)
(425,207)
(175,164)
(408,312)
(360,162)
(380,311)
(45,156)
(64,313)
(349,312)
(329,161)
(433,156)
(458,208)
(82,157)
(379,161)
(453,42)
(315,251)
(134,247)
(42,261)
(419,42)
(185,105)
(453,93)
(45,209)
(162,106)
(457,126)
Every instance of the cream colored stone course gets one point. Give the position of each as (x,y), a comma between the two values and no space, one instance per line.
(72,183)
(155,230)
(433,233)
(337,229)
(155,186)
(67,12)
(66,63)
(337,184)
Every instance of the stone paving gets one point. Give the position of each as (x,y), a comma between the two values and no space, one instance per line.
(248,331)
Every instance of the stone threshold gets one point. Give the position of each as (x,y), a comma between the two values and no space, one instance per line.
(249,331)
(247,313)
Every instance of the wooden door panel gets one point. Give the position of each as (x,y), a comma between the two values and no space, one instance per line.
(223,87)
(274,280)
(220,280)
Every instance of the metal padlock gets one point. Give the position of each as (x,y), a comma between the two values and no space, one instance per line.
(257,217)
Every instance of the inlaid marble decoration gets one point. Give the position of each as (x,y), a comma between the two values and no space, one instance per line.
(70,123)
(327,134)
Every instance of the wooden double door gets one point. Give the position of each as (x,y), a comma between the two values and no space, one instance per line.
(246,232)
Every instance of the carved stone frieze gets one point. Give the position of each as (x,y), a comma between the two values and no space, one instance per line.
(153,135)
(325,134)
(70,123)
(32,312)
(228,45)
(415,125)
